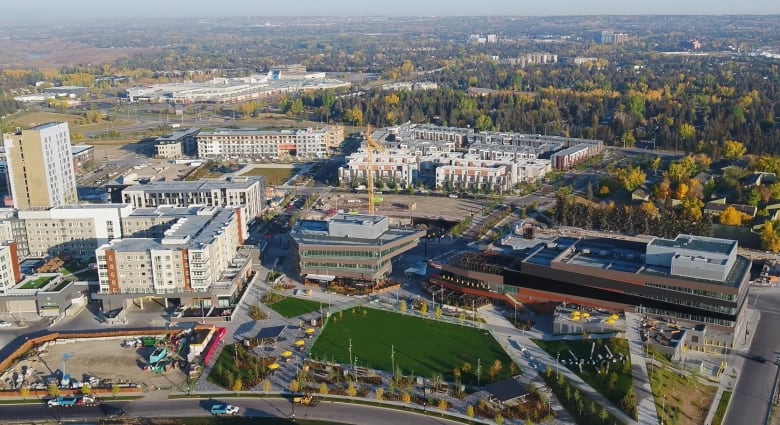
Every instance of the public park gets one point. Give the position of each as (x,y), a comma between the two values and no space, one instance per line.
(413,345)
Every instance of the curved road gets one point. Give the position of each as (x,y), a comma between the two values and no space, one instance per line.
(346,413)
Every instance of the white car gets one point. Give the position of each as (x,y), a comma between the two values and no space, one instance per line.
(4,324)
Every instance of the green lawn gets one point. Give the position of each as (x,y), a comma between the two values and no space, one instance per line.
(613,385)
(422,347)
(293,307)
(723,404)
(37,283)
(273,176)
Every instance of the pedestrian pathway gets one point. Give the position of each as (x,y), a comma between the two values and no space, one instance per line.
(644,393)
(498,324)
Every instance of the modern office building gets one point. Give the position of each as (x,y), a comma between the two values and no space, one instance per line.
(196,260)
(690,279)
(246,193)
(253,144)
(351,249)
(71,230)
(40,167)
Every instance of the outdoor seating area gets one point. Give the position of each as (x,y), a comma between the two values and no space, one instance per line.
(572,319)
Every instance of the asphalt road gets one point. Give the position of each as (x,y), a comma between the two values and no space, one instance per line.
(750,401)
(346,413)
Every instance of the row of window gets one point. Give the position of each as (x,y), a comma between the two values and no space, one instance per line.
(710,294)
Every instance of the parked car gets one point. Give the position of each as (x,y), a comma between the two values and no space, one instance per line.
(113,411)
(4,324)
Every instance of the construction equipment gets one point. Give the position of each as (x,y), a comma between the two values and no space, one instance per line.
(371,145)
(306,399)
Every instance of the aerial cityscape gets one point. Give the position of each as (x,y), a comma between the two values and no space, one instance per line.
(347,213)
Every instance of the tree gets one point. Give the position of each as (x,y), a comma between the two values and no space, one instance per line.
(54,390)
(630,178)
(770,241)
(294,386)
(470,412)
(402,306)
(580,406)
(86,389)
(686,132)
(406,398)
(655,164)
(604,190)
(733,150)
(24,391)
(731,217)
(483,123)
(443,405)
(351,389)
(437,313)
(499,420)
(466,368)
(424,309)
(324,388)
(238,385)
(266,385)
(603,414)
(681,192)
(115,389)
(379,394)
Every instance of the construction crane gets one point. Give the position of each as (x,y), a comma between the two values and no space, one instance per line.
(371,145)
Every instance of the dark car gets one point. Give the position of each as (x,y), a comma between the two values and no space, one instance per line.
(113,411)
(760,359)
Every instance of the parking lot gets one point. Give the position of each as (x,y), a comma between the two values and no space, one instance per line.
(105,360)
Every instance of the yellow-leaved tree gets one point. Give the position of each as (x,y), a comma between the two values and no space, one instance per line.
(731,217)
(770,241)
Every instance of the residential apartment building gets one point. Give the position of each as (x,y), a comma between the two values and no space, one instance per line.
(40,167)
(71,230)
(10,273)
(246,193)
(197,258)
(569,157)
(394,166)
(252,144)
(473,174)
(82,154)
(177,145)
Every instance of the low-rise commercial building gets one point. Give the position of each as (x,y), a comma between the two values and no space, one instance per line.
(177,145)
(351,249)
(82,154)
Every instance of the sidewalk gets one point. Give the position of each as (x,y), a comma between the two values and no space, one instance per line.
(644,393)
(497,324)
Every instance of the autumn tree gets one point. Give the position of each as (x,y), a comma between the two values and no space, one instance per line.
(294,386)
(351,389)
(402,306)
(437,312)
(770,241)
(470,412)
(731,217)
(483,123)
(406,398)
(238,385)
(692,208)
(733,150)
(379,394)
(630,178)
(424,309)
(443,405)
(681,192)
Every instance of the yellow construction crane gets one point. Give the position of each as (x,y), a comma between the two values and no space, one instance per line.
(371,145)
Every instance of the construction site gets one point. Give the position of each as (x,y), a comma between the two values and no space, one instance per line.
(116,362)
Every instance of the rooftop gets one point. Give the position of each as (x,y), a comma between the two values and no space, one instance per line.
(697,243)
(194,186)
(46,125)
(80,148)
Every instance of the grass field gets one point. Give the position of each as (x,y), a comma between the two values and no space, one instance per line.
(421,347)
(613,385)
(273,176)
(37,283)
(723,404)
(293,307)
(680,400)
(28,119)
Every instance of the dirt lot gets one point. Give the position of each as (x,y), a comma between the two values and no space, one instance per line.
(105,360)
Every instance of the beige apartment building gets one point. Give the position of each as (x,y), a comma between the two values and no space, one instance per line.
(72,230)
(40,167)
(10,274)
(252,144)
(197,257)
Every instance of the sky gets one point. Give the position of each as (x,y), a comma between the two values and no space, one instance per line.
(24,10)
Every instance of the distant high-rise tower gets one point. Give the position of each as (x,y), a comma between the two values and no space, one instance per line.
(40,167)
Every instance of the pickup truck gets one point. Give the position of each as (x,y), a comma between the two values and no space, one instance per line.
(62,401)
(224,409)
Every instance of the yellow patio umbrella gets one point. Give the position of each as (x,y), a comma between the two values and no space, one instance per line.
(309,331)
(576,318)
(273,366)
(586,315)
(287,354)
(614,317)
(299,343)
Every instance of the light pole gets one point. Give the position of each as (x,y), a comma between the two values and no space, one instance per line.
(479,370)
(392,359)
(556,365)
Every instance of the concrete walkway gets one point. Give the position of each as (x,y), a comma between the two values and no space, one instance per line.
(497,324)
(644,393)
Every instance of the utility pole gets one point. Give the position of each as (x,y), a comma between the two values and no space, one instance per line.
(350,350)
(479,370)
(392,358)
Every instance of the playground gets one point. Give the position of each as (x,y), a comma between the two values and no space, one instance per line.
(106,361)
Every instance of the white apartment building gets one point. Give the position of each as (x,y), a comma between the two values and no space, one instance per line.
(9,267)
(253,144)
(246,193)
(400,167)
(40,166)
(471,173)
(72,230)
(197,256)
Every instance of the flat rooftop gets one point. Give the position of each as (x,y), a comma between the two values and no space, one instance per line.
(697,243)
(171,211)
(46,125)
(195,186)
(389,236)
